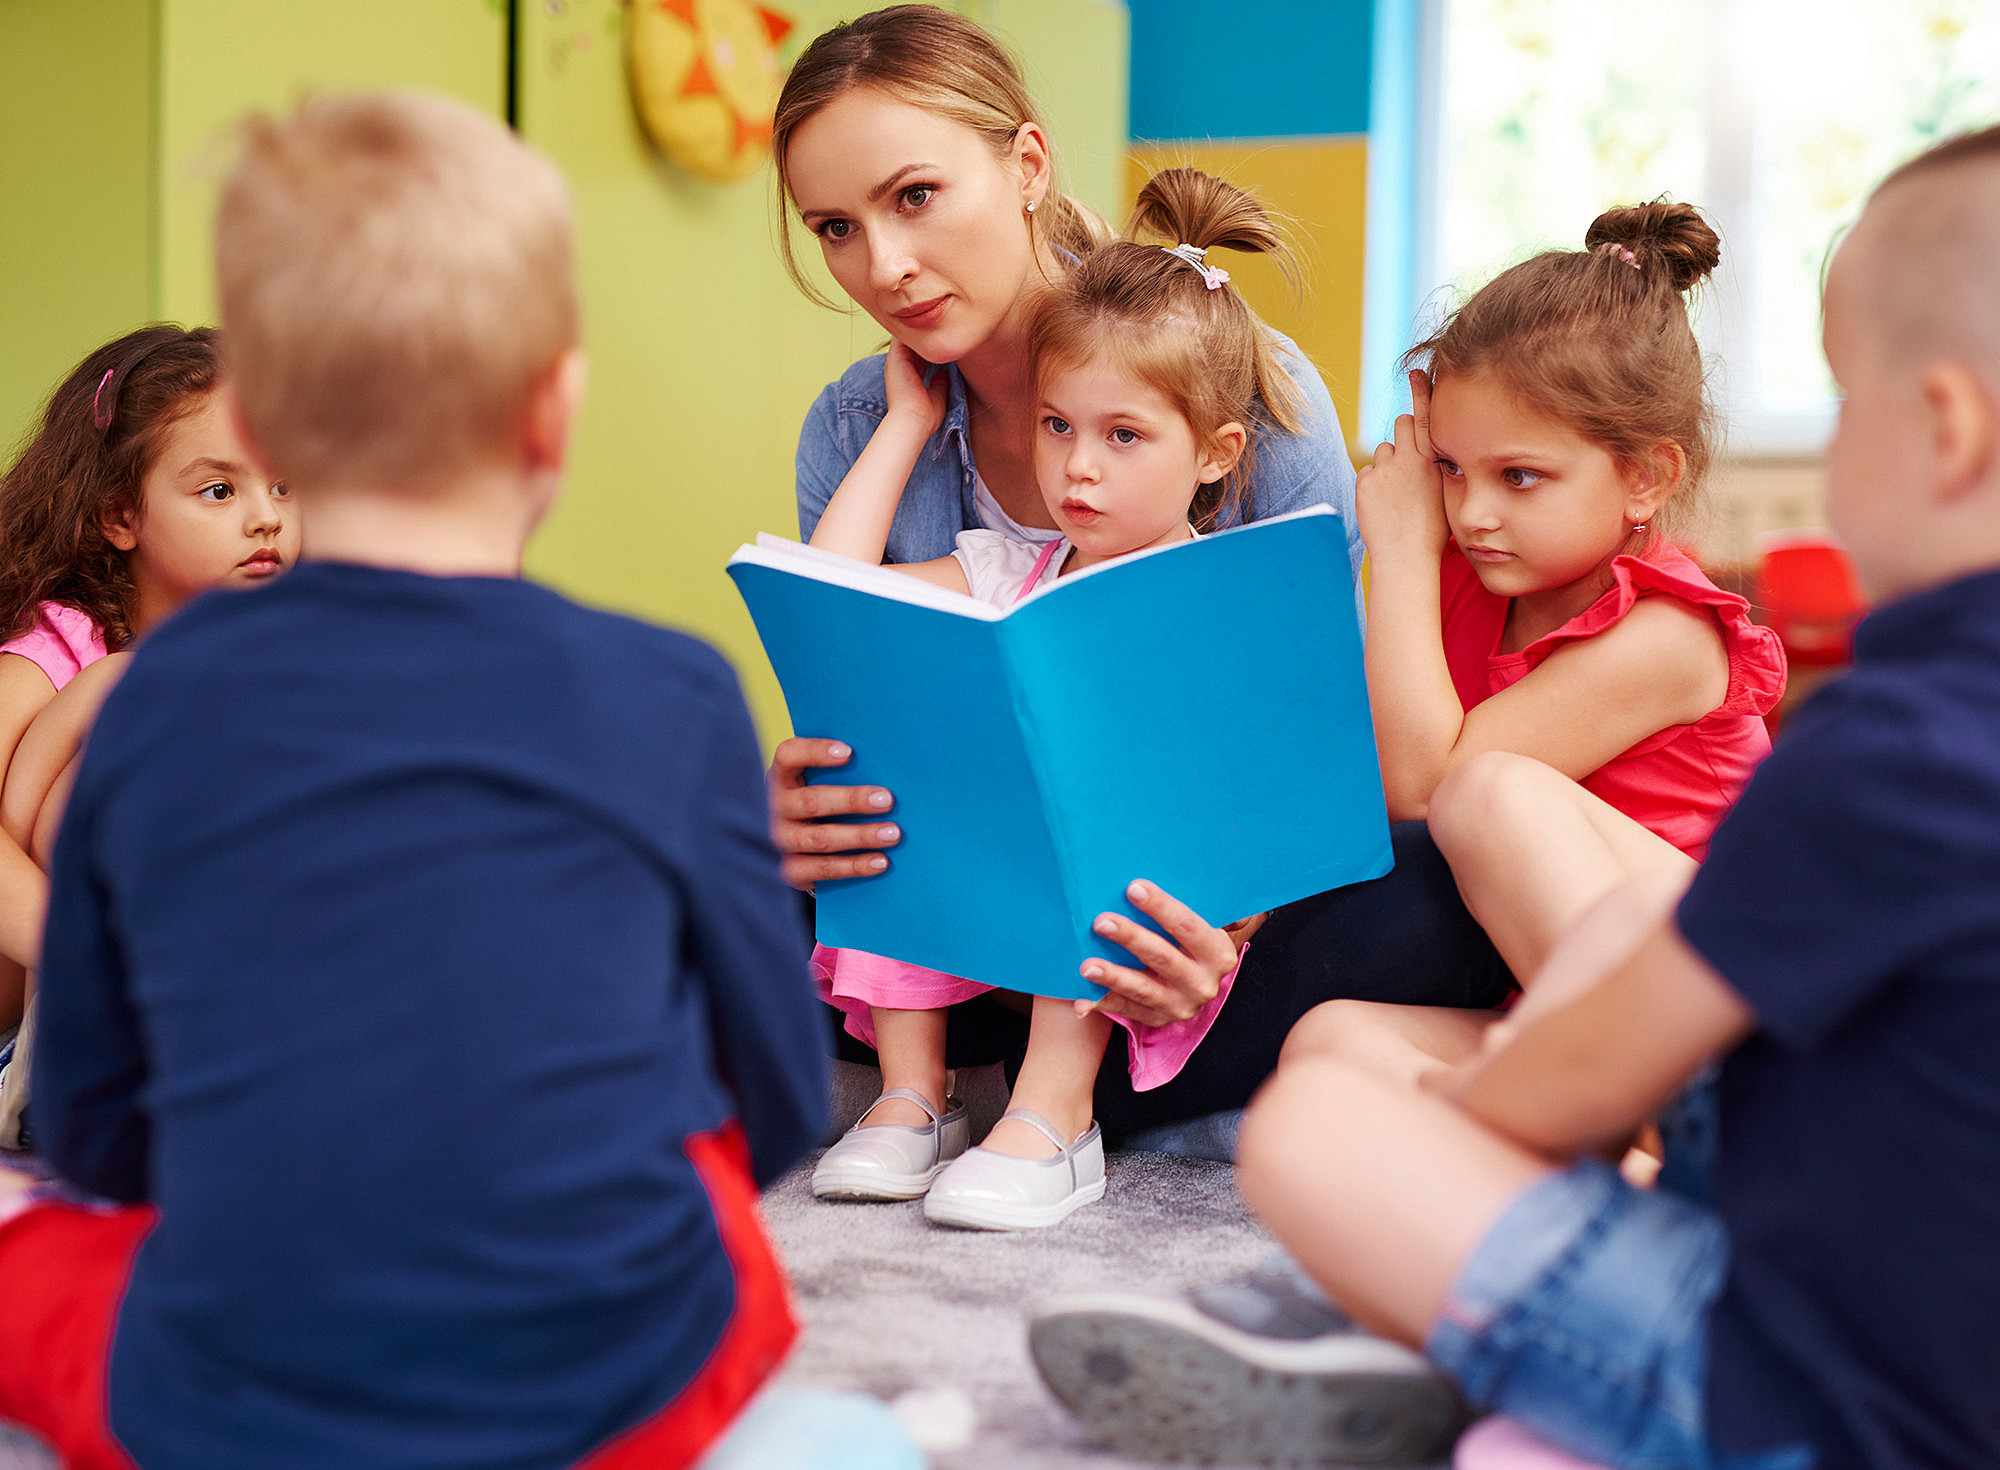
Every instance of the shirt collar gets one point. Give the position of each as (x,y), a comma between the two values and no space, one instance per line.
(1923,621)
(957,418)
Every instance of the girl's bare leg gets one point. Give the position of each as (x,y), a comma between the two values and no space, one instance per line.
(910,1047)
(1057,1078)
(1379,1190)
(1403,1043)
(1533,851)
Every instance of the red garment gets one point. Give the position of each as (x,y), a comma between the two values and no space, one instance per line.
(66,1270)
(1681,781)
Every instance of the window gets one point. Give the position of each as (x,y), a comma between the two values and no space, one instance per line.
(1776,116)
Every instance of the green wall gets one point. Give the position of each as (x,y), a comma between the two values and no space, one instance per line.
(703,356)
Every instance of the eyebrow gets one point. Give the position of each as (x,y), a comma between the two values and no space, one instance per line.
(875,194)
(219,466)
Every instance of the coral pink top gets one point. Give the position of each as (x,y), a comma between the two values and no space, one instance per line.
(62,643)
(1681,781)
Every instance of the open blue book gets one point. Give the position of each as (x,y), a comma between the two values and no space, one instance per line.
(1195,716)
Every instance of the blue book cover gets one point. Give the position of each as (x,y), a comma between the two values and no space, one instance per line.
(1195,716)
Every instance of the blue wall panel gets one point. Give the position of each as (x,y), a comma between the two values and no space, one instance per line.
(1249,68)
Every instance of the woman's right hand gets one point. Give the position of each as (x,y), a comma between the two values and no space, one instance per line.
(816,849)
(1399,499)
(912,400)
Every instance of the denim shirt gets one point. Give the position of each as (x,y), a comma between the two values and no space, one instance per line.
(1288,471)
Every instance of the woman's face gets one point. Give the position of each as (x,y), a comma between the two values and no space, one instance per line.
(207,516)
(920,221)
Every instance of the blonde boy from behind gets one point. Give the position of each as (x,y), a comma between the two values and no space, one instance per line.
(416,944)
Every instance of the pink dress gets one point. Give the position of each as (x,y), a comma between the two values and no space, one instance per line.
(854,980)
(1678,782)
(62,643)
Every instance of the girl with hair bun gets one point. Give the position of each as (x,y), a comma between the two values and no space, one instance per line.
(1556,685)
(1152,380)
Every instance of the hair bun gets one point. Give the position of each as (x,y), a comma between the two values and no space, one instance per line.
(1662,233)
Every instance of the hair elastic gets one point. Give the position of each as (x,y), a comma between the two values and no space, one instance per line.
(1193,255)
(1612,247)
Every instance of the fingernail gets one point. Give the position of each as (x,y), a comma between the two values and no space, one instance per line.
(839,752)
(887,834)
(879,800)
(1093,972)
(1106,925)
(1137,893)
(876,864)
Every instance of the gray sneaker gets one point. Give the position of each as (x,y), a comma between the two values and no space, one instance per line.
(1260,1369)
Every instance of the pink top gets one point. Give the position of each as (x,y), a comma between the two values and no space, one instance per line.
(62,643)
(1678,782)
(855,981)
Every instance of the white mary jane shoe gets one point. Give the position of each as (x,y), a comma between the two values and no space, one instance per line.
(892,1161)
(986,1190)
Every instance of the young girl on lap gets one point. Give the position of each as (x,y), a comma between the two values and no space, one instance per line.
(135,494)
(1556,685)
(1147,367)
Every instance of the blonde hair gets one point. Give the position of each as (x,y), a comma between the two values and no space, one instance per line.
(1203,349)
(1599,340)
(395,274)
(943,64)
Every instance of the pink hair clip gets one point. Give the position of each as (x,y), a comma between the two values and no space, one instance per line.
(1194,255)
(1611,247)
(97,414)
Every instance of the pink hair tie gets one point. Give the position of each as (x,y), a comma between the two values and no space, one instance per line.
(97,414)
(1611,247)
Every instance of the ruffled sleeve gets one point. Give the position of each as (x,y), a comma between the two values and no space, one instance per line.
(1756,657)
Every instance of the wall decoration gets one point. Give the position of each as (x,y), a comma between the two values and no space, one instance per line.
(705,78)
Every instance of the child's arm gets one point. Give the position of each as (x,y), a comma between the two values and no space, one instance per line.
(857,519)
(1662,664)
(49,746)
(25,691)
(749,949)
(1586,1075)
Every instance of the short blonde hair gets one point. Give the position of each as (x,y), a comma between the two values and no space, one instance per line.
(395,273)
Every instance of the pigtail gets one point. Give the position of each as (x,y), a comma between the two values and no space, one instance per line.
(1184,206)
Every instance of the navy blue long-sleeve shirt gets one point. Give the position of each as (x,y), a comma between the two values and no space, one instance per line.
(402,929)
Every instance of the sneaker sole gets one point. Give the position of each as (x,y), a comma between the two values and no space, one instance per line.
(992,1215)
(870,1186)
(1158,1380)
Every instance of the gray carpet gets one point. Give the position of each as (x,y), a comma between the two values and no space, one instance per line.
(892,1303)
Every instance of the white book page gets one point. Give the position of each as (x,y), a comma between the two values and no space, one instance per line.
(801,560)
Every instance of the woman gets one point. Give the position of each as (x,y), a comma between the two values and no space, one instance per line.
(907,144)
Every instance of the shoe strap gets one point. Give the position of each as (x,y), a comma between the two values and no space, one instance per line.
(1035,1120)
(907,1094)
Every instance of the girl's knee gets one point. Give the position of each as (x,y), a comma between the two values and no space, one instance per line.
(1333,1030)
(1490,793)
(1291,1125)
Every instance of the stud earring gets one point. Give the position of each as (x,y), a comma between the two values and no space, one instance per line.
(1639,529)
(1031,206)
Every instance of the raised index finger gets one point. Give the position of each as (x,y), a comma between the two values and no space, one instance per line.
(801,753)
(1420,409)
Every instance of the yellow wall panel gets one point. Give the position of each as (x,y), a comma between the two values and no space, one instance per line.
(1320,185)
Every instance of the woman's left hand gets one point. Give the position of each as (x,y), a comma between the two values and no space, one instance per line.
(1181,972)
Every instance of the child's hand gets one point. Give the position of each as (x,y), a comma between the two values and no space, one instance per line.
(1182,973)
(1399,499)
(913,400)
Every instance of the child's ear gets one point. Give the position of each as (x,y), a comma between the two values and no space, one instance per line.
(121,528)
(1962,428)
(1652,480)
(1225,447)
(553,404)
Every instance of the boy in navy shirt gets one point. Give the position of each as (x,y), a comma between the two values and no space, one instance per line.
(418,966)
(1839,1306)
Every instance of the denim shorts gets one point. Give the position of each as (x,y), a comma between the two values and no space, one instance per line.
(1583,1316)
